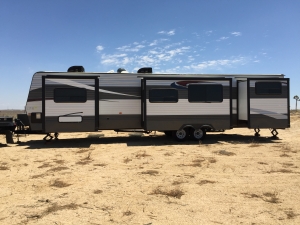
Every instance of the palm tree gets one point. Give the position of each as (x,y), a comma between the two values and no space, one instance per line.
(297,99)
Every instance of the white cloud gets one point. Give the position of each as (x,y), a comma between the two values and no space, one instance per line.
(128,48)
(222,38)
(114,59)
(161,56)
(209,32)
(169,33)
(173,45)
(154,57)
(172,32)
(165,55)
(171,54)
(157,41)
(216,64)
(140,46)
(99,48)
(191,58)
(109,61)
(196,34)
(153,52)
(122,48)
(236,33)
(126,60)
(146,59)
(153,43)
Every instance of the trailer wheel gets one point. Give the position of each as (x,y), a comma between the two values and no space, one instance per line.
(9,137)
(198,134)
(180,135)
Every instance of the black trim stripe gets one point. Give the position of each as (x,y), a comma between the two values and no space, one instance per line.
(43,105)
(96,103)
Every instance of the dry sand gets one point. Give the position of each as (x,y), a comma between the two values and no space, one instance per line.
(109,178)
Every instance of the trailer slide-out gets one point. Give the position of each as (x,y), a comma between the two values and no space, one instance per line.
(184,105)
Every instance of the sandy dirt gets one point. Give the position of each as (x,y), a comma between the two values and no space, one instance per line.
(129,178)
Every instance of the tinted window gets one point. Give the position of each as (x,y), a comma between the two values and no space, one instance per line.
(205,93)
(268,88)
(36,117)
(163,95)
(70,95)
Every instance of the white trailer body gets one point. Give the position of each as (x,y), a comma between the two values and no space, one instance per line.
(86,102)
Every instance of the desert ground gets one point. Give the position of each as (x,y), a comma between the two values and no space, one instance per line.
(149,179)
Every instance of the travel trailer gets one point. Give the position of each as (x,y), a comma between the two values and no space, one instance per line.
(182,105)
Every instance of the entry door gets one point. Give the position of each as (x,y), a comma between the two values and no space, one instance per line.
(242,103)
(70,104)
(268,103)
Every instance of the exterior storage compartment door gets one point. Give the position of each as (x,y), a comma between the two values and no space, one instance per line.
(70,104)
(268,103)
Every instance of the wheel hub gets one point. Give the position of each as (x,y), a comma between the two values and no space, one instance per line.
(198,134)
(181,134)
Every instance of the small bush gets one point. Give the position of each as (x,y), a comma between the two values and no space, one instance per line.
(98,191)
(59,184)
(150,172)
(202,182)
(174,193)
(271,197)
(141,154)
(224,152)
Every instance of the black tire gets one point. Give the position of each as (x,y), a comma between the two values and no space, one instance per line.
(168,133)
(180,135)
(198,134)
(9,137)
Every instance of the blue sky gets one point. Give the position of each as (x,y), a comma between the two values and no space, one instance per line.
(215,36)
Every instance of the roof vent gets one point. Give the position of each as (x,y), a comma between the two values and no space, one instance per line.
(145,70)
(121,70)
(76,69)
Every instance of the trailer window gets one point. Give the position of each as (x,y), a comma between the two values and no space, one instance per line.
(36,117)
(163,95)
(70,95)
(268,88)
(205,93)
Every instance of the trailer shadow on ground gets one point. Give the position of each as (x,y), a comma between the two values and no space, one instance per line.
(151,140)
(3,145)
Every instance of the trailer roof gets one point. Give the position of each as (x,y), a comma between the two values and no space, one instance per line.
(214,75)
(167,75)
